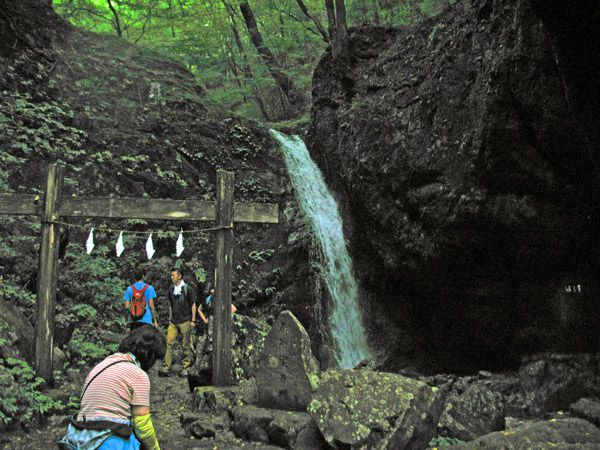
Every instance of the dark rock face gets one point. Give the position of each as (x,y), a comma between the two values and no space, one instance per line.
(15,332)
(469,173)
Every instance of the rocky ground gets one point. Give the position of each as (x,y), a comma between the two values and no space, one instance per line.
(170,399)
(282,400)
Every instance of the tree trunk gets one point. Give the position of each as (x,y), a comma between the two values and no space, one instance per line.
(116,23)
(283,81)
(340,44)
(315,20)
(248,75)
(376,19)
(330,19)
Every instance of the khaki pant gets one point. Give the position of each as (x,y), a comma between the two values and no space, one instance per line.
(173,331)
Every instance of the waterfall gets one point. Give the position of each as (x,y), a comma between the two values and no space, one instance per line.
(319,206)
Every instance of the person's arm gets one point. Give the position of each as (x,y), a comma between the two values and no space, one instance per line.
(193,306)
(202,316)
(144,429)
(153,309)
(233,309)
(127,298)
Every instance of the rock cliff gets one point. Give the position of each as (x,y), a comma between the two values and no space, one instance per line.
(464,152)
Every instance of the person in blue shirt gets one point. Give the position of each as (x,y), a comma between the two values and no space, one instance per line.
(150,317)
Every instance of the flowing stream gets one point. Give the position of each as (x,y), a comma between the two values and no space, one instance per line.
(319,206)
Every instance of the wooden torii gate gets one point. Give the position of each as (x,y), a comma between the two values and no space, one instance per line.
(52,207)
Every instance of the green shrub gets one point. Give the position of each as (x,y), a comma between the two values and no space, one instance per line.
(443,441)
(86,349)
(22,399)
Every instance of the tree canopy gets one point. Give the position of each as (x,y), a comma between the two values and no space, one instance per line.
(212,38)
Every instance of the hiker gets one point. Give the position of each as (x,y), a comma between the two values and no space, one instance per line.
(206,312)
(115,402)
(182,320)
(205,309)
(139,303)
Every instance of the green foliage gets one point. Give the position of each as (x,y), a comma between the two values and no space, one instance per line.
(34,130)
(199,33)
(253,189)
(16,294)
(91,291)
(260,255)
(442,441)
(86,348)
(22,398)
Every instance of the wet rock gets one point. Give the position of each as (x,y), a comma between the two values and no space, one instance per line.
(362,408)
(206,425)
(551,382)
(587,409)
(476,411)
(285,428)
(214,398)
(287,371)
(568,433)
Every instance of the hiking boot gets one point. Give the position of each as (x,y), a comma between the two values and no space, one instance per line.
(183,373)
(164,372)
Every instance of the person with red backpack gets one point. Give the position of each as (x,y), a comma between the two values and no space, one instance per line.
(139,303)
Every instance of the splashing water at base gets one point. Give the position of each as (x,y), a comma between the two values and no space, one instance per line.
(320,208)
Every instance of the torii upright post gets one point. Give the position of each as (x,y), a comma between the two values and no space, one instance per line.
(224,253)
(46,286)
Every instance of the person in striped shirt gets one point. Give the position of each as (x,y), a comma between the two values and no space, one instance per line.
(115,399)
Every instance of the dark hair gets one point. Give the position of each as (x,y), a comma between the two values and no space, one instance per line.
(146,343)
(179,271)
(138,275)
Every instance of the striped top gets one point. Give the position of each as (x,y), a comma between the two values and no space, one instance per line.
(115,390)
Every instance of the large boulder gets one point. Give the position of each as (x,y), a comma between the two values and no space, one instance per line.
(287,371)
(468,185)
(476,411)
(288,429)
(587,409)
(564,433)
(551,382)
(366,409)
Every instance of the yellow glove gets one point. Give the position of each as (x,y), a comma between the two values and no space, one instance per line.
(144,430)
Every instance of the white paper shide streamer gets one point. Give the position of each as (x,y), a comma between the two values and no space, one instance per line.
(179,245)
(149,247)
(120,245)
(89,245)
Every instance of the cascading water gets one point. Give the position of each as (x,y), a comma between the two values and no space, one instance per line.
(319,206)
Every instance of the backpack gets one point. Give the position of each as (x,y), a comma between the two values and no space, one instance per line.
(137,305)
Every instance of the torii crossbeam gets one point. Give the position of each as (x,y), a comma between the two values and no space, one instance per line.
(52,207)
